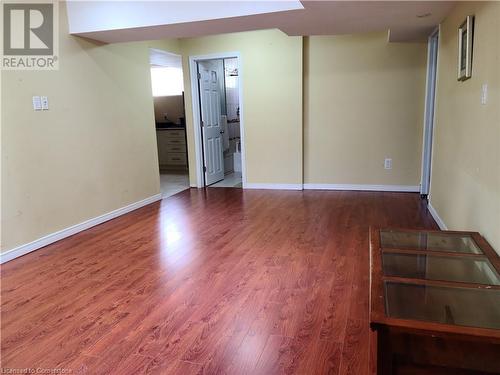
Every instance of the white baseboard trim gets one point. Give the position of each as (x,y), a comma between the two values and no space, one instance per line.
(436,217)
(272,186)
(59,235)
(395,188)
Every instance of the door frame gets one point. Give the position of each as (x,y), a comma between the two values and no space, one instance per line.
(195,101)
(429,111)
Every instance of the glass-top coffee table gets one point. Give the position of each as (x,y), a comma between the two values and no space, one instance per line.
(432,295)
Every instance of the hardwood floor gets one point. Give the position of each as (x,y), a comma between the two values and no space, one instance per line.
(215,281)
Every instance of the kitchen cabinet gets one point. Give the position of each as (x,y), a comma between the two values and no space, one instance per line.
(172,149)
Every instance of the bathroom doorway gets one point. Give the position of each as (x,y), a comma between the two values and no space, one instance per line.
(217,113)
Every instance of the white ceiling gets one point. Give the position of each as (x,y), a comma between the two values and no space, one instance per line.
(118,21)
(349,17)
(102,15)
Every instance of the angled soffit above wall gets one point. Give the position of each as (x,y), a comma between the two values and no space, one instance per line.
(124,21)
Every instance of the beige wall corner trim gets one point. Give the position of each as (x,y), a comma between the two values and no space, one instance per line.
(436,217)
(273,186)
(59,235)
(363,187)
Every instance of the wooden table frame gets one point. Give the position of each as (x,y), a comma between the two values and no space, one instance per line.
(382,324)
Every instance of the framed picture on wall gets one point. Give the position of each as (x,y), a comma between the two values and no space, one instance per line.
(465,43)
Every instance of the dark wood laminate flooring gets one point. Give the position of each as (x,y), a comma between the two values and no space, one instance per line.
(215,281)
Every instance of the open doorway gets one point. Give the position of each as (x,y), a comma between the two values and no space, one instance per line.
(168,97)
(217,115)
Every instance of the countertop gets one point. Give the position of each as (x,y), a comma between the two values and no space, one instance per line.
(178,127)
(169,126)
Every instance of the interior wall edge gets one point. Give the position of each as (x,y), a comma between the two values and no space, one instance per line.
(436,217)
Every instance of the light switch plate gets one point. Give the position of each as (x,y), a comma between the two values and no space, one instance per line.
(45,103)
(37,103)
(388,163)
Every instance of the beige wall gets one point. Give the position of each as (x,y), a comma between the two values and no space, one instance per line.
(465,187)
(172,105)
(363,101)
(272,101)
(94,150)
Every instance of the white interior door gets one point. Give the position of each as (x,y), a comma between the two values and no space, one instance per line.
(210,102)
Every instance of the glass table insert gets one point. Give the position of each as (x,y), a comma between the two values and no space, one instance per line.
(432,241)
(439,277)
(447,305)
(435,267)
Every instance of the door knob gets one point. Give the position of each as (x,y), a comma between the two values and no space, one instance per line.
(221,132)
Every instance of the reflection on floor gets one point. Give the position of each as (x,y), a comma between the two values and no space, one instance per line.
(230,180)
(173,183)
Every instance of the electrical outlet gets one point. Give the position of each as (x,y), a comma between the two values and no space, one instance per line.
(388,163)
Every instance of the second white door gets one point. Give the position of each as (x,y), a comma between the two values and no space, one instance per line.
(210,102)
